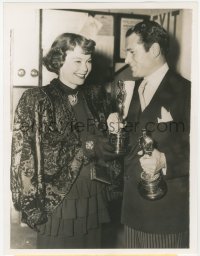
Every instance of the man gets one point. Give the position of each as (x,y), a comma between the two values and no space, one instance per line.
(160,104)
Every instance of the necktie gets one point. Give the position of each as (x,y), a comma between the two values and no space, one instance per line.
(141,94)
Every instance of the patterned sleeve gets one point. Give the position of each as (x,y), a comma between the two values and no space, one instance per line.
(22,156)
(38,189)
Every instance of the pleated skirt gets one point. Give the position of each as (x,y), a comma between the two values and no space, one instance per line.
(76,222)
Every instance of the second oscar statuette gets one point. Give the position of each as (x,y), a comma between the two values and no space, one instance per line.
(151,187)
(119,139)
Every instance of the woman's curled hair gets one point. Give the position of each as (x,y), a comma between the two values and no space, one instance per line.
(55,58)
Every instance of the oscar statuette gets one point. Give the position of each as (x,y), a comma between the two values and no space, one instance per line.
(119,139)
(151,187)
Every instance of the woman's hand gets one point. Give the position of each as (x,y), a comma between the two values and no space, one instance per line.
(99,147)
(114,124)
(104,150)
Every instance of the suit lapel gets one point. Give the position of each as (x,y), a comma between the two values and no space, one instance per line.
(162,97)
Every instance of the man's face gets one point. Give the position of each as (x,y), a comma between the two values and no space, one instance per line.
(140,61)
(76,67)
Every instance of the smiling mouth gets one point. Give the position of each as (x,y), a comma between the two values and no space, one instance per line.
(81,76)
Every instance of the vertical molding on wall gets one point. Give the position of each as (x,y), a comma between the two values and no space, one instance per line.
(11,74)
(40,48)
(177,43)
(186,44)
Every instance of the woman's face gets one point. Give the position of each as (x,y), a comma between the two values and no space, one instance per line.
(76,67)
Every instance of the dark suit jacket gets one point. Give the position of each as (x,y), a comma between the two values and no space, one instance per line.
(171,213)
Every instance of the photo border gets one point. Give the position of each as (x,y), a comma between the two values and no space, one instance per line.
(194,204)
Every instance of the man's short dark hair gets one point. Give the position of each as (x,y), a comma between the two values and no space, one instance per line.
(151,32)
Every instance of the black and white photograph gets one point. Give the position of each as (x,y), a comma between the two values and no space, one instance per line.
(101,127)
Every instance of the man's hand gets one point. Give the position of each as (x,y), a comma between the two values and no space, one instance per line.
(114,124)
(152,164)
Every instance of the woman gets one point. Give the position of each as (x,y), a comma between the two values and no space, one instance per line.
(55,145)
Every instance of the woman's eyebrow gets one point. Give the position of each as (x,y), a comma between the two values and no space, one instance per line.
(129,49)
(80,58)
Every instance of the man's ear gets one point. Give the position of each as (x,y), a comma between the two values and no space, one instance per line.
(155,50)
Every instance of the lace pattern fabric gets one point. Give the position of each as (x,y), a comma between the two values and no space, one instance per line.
(46,153)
